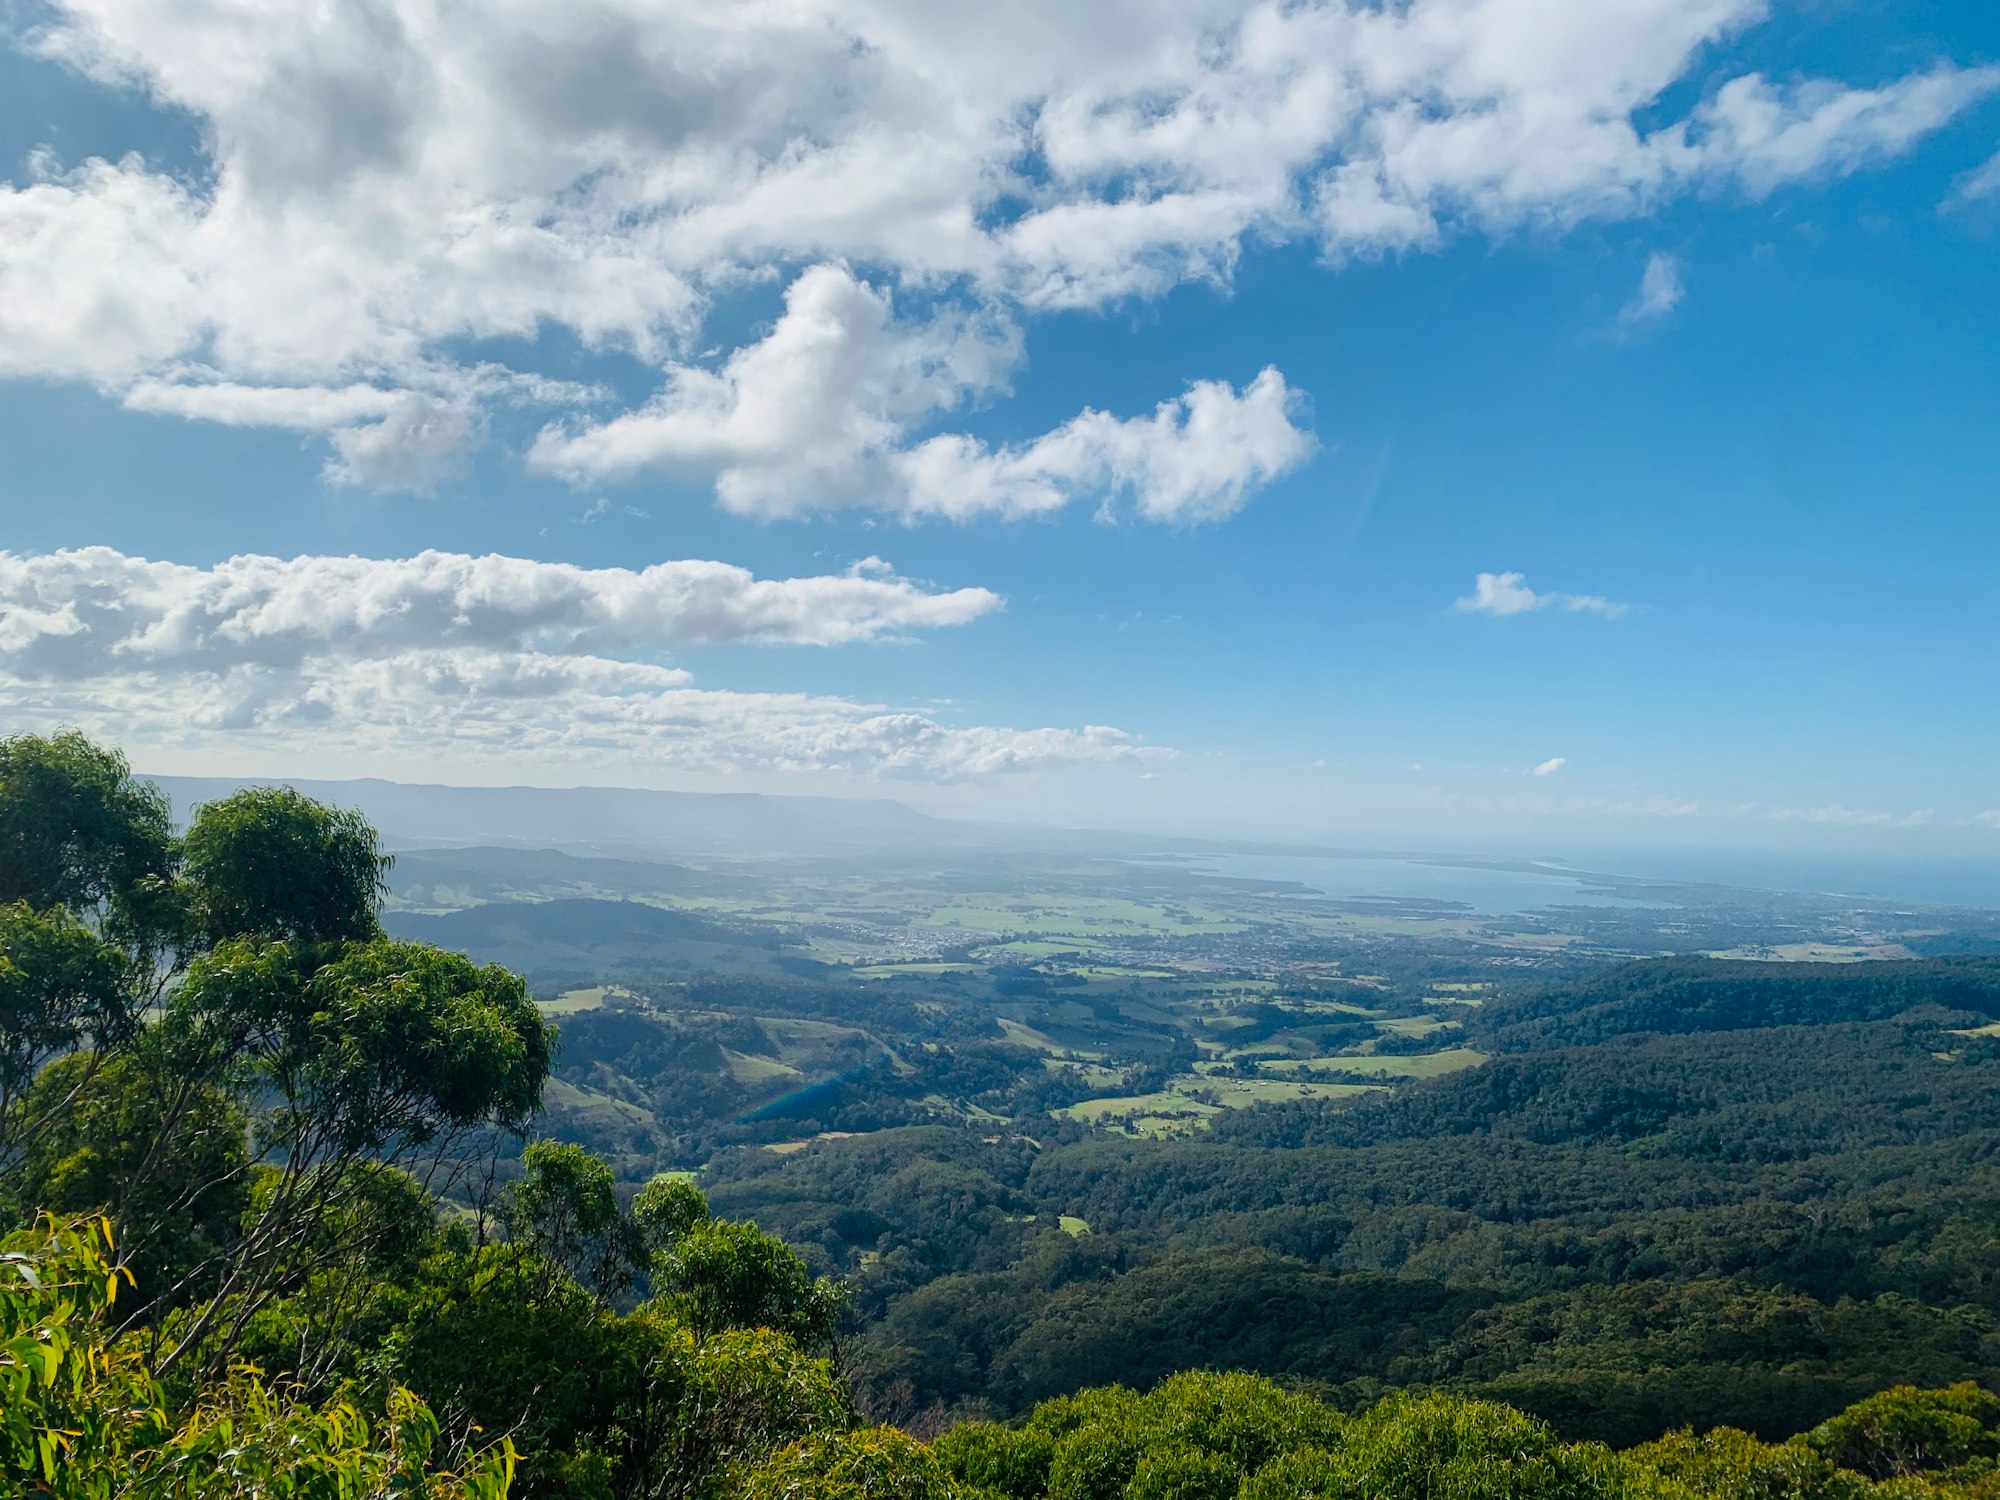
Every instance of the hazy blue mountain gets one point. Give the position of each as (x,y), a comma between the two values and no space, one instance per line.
(618,818)
(557,943)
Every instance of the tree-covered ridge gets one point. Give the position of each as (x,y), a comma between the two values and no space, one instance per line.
(86,1416)
(275,1223)
(1677,996)
(1751,1227)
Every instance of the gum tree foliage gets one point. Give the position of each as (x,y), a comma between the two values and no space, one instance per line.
(1238,1437)
(210,1039)
(500,1336)
(89,911)
(79,832)
(270,863)
(83,1416)
(375,1062)
(63,991)
(566,1208)
(1905,1432)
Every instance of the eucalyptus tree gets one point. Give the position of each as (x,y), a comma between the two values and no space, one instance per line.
(90,917)
(209,1036)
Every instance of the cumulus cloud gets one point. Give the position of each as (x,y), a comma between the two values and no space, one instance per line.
(1990,817)
(498,654)
(76,614)
(818,413)
(1197,458)
(388,183)
(1549,767)
(1660,291)
(805,415)
(1509,594)
(555,711)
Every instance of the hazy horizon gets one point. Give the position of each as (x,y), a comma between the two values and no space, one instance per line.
(1871,874)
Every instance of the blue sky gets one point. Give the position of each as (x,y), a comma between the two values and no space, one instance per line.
(1683,313)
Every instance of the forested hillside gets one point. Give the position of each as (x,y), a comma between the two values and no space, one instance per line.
(295,1206)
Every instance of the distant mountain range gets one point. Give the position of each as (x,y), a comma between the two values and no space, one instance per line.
(634,822)
(560,943)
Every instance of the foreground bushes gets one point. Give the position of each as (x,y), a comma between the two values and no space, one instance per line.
(1237,1437)
(84,1417)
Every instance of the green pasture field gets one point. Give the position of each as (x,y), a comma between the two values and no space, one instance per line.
(1096,1075)
(1042,947)
(1818,953)
(1411,1025)
(748,1069)
(569,1002)
(1055,1053)
(595,1110)
(1422,1065)
(1177,1102)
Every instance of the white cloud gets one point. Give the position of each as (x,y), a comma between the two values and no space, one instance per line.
(803,416)
(1990,817)
(1982,182)
(449,653)
(1660,291)
(1509,594)
(1768,136)
(311,408)
(1852,816)
(818,414)
(268,611)
(555,712)
(1550,766)
(1198,458)
(419,443)
(387,181)
(100,272)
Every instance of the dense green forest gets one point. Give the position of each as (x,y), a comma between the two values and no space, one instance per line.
(297,1207)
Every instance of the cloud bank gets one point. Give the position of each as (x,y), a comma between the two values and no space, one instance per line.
(386,182)
(488,655)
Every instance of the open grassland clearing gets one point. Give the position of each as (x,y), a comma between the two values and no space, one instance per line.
(750,1070)
(1818,953)
(578,1106)
(1192,1097)
(789,1148)
(1421,1065)
(1023,1035)
(1418,1026)
(569,1002)
(801,1042)
(1163,1107)
(1094,1075)
(1041,948)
